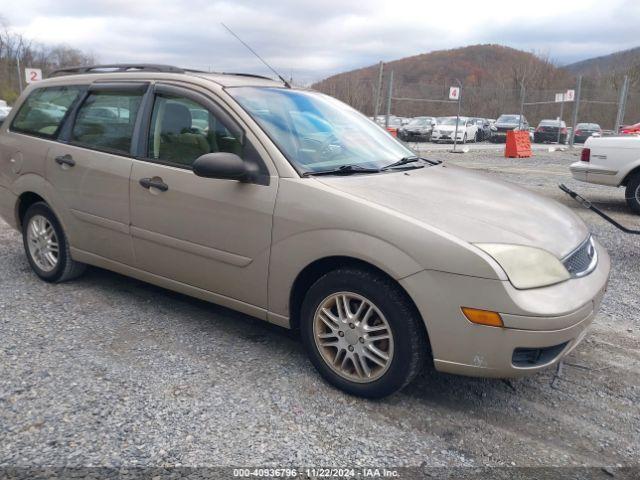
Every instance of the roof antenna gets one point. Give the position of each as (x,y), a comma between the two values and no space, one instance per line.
(286,84)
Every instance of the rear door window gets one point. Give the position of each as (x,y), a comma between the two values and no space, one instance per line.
(43,112)
(106,121)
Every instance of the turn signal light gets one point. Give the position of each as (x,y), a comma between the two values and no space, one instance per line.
(483,317)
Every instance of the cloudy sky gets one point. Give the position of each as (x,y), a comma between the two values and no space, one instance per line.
(313,39)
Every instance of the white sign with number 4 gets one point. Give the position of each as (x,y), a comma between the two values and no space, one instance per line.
(32,75)
(454,93)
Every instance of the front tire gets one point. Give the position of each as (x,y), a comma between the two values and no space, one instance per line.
(47,247)
(632,193)
(362,333)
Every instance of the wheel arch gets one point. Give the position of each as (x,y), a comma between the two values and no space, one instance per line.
(635,170)
(25,200)
(316,269)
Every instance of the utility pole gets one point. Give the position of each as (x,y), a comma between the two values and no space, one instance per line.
(576,107)
(389,94)
(622,103)
(376,106)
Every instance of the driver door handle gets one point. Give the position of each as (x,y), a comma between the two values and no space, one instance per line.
(65,160)
(154,183)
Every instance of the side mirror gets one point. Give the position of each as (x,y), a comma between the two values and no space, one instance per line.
(223,165)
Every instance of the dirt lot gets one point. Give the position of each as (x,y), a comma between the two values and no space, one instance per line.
(110,371)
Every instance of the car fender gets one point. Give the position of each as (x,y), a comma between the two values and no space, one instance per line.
(293,254)
(34,183)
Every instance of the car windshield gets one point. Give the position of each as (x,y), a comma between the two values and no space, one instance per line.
(316,132)
(450,121)
(588,126)
(419,122)
(549,123)
(508,119)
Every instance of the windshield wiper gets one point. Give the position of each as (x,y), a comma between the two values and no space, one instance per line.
(407,160)
(343,170)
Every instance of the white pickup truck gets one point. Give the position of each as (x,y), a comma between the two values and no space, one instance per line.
(613,161)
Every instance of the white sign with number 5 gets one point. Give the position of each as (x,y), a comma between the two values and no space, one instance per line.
(454,93)
(32,75)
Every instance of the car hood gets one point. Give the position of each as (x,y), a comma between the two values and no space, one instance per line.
(449,128)
(507,125)
(470,206)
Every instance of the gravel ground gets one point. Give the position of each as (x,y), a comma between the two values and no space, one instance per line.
(110,371)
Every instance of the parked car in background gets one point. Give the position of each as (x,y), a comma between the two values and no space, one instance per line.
(484,129)
(630,129)
(417,130)
(586,130)
(380,258)
(445,130)
(547,131)
(507,122)
(613,161)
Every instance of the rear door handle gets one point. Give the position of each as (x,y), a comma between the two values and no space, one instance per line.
(154,183)
(65,160)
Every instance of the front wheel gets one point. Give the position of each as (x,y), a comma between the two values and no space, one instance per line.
(46,245)
(632,193)
(362,333)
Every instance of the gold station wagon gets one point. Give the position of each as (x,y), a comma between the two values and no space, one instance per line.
(288,205)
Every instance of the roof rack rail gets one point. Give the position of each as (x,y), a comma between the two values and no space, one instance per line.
(252,75)
(118,67)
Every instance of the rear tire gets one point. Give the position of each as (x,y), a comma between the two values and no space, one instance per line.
(47,247)
(341,341)
(632,193)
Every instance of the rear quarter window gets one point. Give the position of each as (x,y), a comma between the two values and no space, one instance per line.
(105,121)
(43,112)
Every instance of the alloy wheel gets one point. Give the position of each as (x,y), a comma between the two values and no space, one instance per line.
(42,240)
(353,337)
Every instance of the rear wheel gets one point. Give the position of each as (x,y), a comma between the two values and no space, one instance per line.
(46,245)
(632,193)
(362,333)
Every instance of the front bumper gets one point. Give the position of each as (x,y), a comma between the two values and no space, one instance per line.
(414,136)
(446,136)
(551,319)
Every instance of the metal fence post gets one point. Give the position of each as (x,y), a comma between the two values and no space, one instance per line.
(576,106)
(455,135)
(376,107)
(560,117)
(19,73)
(621,104)
(522,94)
(386,121)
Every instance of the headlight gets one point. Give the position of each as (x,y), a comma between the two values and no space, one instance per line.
(494,128)
(527,267)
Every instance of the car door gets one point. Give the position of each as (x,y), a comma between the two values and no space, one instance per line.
(90,168)
(212,234)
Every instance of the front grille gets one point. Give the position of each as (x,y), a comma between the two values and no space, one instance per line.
(582,260)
